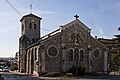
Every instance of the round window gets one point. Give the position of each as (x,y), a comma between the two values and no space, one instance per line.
(96,54)
(52,51)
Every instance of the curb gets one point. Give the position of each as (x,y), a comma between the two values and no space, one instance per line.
(56,78)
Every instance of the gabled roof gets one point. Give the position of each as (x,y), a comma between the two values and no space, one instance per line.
(65,26)
(30,15)
(48,36)
(77,21)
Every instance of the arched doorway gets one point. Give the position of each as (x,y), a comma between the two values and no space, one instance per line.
(28,62)
(32,62)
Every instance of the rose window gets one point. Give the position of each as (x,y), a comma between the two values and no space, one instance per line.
(52,51)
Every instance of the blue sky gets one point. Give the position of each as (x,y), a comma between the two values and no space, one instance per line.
(102,16)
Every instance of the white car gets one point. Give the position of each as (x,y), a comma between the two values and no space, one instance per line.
(1,69)
(6,70)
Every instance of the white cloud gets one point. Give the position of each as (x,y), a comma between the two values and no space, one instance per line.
(43,12)
(101,31)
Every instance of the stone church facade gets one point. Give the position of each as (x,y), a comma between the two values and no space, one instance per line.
(59,50)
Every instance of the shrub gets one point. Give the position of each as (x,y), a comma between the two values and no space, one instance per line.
(52,74)
(92,74)
(80,70)
(72,70)
(69,74)
(12,68)
(43,73)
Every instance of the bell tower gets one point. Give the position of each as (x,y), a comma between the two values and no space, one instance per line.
(30,33)
(30,27)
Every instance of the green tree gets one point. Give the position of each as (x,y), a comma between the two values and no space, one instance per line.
(14,66)
(115,53)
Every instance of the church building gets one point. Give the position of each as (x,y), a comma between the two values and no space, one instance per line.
(70,45)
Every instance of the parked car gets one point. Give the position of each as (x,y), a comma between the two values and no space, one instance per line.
(1,69)
(5,69)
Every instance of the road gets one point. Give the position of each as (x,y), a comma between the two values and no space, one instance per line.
(14,76)
(18,76)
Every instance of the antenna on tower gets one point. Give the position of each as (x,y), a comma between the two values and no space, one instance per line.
(31,8)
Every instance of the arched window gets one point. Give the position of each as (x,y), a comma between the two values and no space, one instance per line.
(22,27)
(32,62)
(70,54)
(76,54)
(81,55)
(33,40)
(30,25)
(34,26)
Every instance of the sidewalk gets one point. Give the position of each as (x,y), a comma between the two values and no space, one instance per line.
(57,78)
(83,78)
(87,77)
(24,74)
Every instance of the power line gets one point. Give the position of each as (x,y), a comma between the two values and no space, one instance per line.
(35,1)
(45,29)
(13,7)
(21,14)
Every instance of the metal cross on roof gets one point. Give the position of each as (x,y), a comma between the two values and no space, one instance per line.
(76,16)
